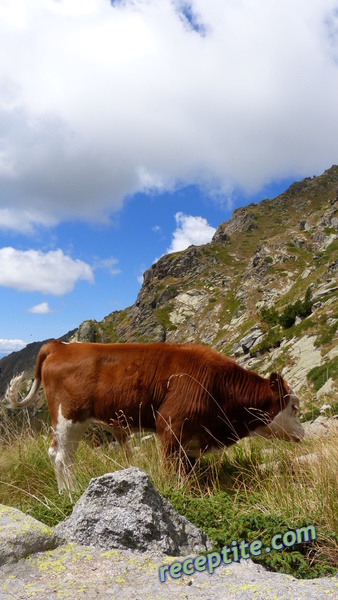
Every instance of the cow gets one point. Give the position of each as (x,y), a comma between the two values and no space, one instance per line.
(196,399)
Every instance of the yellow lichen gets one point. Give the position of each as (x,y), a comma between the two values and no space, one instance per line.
(109,554)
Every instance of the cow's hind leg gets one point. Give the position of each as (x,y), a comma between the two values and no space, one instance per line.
(67,436)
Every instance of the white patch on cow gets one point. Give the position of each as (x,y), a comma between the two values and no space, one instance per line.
(67,436)
(286,425)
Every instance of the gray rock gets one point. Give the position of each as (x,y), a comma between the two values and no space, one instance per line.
(237,349)
(21,535)
(74,572)
(321,426)
(304,226)
(316,305)
(248,341)
(86,332)
(242,220)
(173,265)
(221,237)
(332,268)
(334,223)
(124,510)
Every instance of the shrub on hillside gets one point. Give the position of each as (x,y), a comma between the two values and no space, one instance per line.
(288,317)
(269,315)
(298,309)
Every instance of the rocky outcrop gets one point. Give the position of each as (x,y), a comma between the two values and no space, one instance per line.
(87,332)
(305,356)
(242,220)
(174,265)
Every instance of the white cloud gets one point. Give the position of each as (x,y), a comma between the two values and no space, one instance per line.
(7,346)
(40,309)
(23,221)
(99,101)
(33,271)
(190,231)
(109,264)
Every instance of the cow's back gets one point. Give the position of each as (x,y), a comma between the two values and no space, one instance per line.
(99,380)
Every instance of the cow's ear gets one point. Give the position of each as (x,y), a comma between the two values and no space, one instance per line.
(276,383)
(277,386)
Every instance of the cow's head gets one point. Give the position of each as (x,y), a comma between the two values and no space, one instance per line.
(284,423)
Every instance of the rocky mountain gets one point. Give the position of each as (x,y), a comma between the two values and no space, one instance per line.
(264,290)
(23,360)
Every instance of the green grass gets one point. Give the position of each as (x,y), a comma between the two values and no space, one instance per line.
(327,333)
(162,317)
(271,340)
(254,491)
(319,375)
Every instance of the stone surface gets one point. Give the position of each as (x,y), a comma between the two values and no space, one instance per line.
(242,220)
(321,426)
(86,332)
(305,357)
(21,535)
(75,572)
(186,305)
(248,341)
(124,510)
(326,389)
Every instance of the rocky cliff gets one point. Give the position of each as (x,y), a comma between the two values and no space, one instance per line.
(261,265)
(264,290)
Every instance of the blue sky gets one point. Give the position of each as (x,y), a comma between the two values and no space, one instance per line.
(133,128)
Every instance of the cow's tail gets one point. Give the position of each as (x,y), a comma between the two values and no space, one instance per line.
(13,390)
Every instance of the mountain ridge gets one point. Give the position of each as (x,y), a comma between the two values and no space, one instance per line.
(267,256)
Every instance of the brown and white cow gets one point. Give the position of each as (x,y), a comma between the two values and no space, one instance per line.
(193,397)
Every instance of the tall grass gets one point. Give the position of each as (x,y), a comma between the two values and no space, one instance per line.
(254,490)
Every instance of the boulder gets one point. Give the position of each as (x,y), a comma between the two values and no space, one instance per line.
(21,535)
(124,510)
(248,341)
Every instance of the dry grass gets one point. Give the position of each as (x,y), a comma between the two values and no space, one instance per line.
(291,484)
